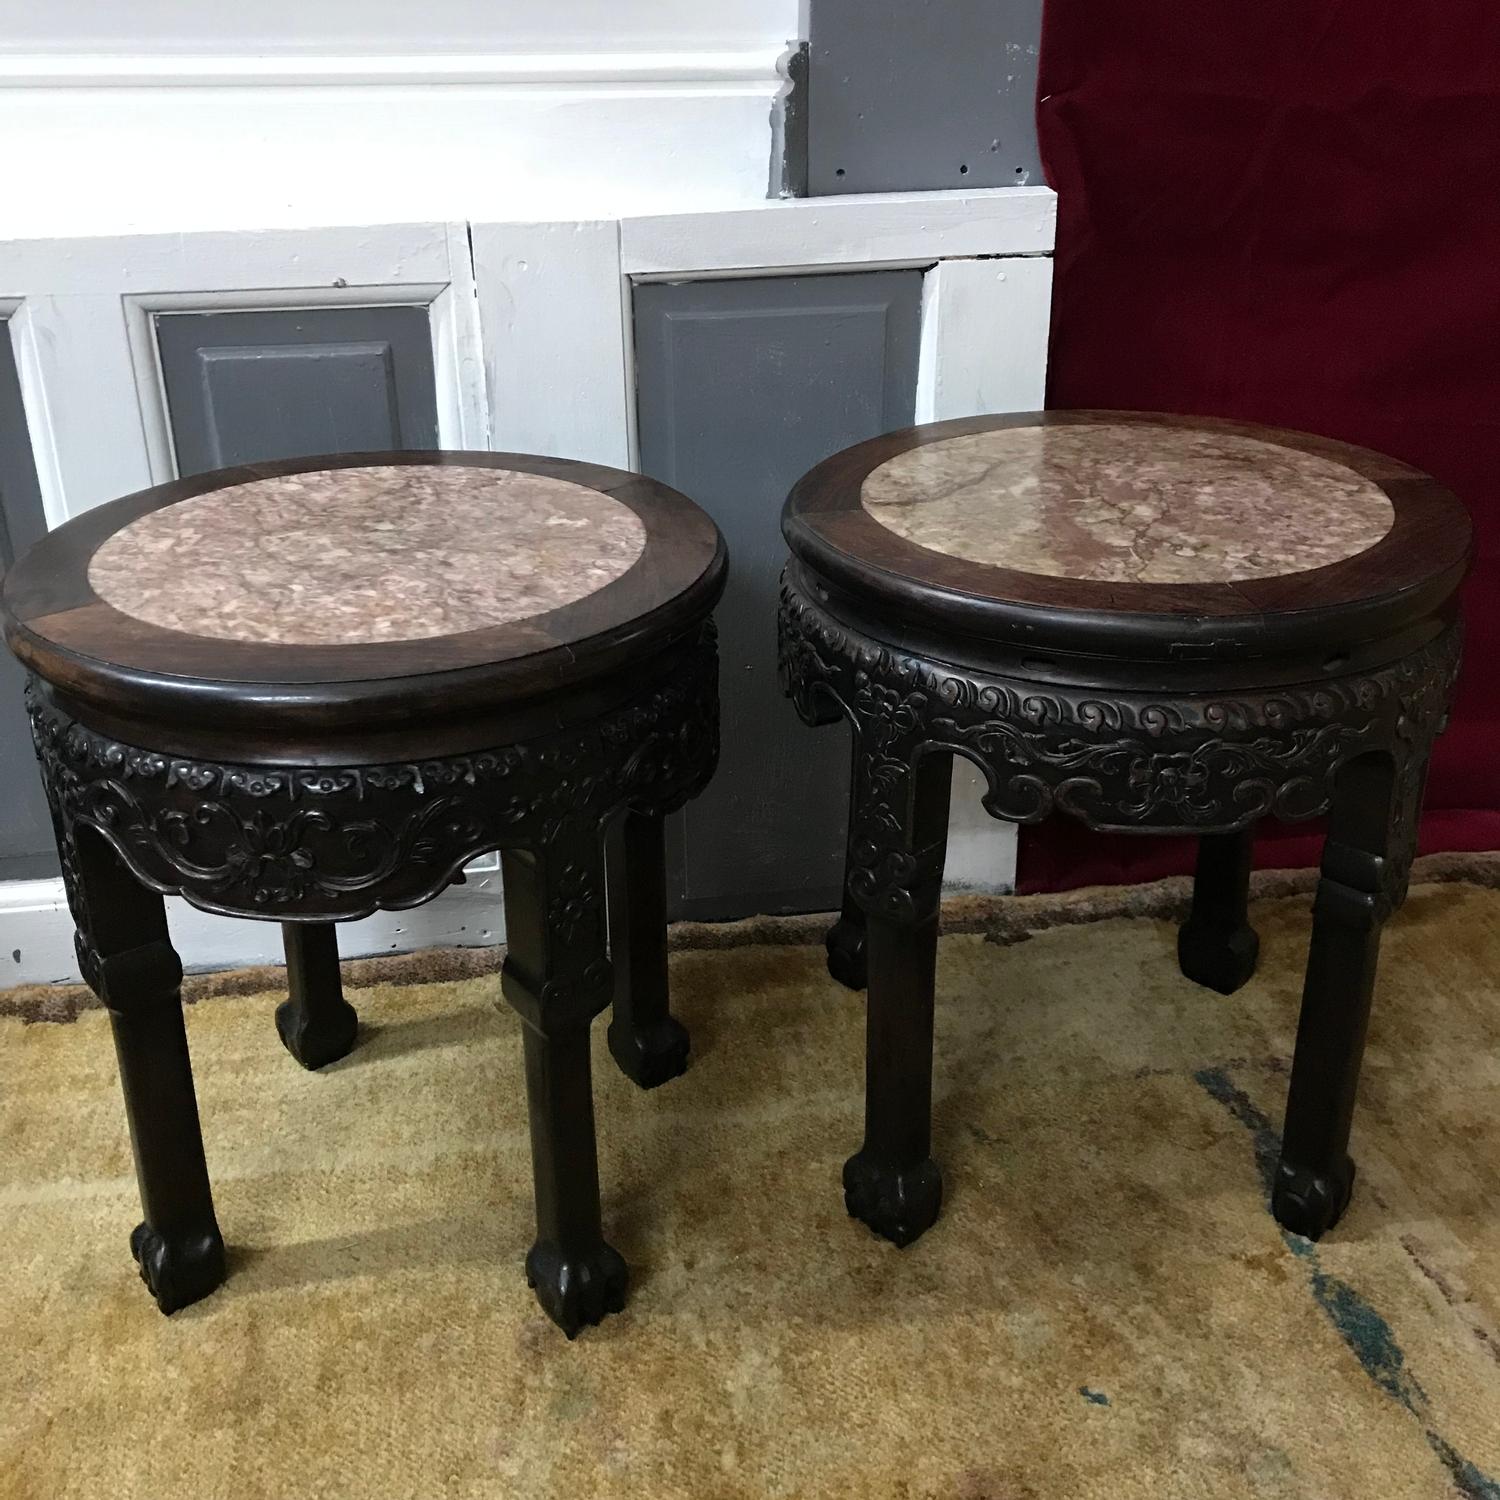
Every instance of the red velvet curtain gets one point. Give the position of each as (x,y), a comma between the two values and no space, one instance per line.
(1289,213)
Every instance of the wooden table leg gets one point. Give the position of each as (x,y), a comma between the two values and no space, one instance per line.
(1366,862)
(316,1024)
(126,955)
(645,1039)
(892,1182)
(1216,946)
(845,942)
(557,977)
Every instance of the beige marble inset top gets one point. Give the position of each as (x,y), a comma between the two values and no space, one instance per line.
(391,553)
(1121,502)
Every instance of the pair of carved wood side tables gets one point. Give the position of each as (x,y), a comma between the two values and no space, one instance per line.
(1151,624)
(303,692)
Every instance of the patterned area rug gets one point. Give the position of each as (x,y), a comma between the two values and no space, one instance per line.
(1105,1308)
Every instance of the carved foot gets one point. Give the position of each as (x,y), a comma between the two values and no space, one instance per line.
(899,1204)
(576,1291)
(317,1040)
(1218,960)
(1308,1203)
(847,961)
(178,1272)
(652,1056)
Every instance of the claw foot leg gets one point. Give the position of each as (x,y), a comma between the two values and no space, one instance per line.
(316,1025)
(649,1044)
(1216,946)
(899,1203)
(1311,1203)
(652,1055)
(178,1269)
(579,1290)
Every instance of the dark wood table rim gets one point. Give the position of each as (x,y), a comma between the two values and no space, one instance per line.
(105,659)
(1408,574)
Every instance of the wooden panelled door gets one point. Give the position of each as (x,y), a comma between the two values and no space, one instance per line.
(741,386)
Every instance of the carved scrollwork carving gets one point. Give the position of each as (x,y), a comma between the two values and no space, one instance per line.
(1189,763)
(341,842)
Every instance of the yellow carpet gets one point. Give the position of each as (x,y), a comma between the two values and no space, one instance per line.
(1105,1308)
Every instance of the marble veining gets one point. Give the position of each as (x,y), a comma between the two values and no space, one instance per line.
(1118,503)
(387,553)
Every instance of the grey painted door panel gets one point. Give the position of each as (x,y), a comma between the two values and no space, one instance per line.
(27,850)
(905,95)
(243,386)
(743,385)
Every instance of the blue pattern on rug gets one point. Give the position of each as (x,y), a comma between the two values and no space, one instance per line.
(1367,1334)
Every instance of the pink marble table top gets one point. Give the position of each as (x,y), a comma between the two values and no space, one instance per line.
(388,553)
(1128,502)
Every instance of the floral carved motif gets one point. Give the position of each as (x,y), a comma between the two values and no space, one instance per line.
(574,905)
(1187,763)
(341,842)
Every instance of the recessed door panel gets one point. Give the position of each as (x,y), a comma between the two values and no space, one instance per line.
(248,386)
(742,385)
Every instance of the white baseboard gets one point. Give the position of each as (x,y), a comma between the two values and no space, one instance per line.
(36,931)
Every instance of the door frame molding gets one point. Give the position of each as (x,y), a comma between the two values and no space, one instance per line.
(871,231)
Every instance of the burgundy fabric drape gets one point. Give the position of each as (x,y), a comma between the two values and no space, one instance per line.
(1289,213)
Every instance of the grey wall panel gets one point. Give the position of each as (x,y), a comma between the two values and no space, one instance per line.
(243,386)
(905,95)
(743,385)
(26,847)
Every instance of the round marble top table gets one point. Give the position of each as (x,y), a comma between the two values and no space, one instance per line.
(1152,624)
(305,691)
(1120,532)
(333,607)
